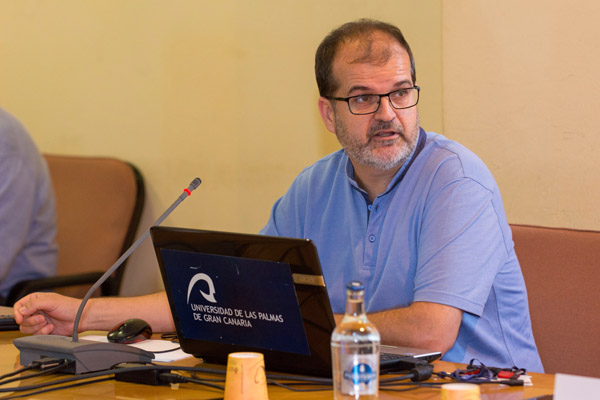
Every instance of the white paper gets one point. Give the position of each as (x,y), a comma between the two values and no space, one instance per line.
(151,345)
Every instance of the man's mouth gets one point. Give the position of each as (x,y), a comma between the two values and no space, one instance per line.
(385,135)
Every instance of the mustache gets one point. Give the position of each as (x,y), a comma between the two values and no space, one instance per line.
(385,126)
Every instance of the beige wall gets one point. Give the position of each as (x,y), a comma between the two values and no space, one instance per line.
(223,90)
(521,89)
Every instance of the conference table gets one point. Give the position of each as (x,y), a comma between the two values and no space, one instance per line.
(110,389)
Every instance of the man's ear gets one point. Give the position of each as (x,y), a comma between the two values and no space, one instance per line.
(327,113)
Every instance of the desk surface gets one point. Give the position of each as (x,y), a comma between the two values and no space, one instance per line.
(9,361)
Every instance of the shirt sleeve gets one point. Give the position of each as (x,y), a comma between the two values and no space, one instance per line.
(27,209)
(271,227)
(17,197)
(288,214)
(461,246)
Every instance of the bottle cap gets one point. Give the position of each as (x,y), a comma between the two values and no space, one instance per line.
(355,286)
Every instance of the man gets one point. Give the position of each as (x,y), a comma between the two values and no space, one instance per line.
(27,211)
(416,217)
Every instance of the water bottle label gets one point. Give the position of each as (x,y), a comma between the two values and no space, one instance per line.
(360,374)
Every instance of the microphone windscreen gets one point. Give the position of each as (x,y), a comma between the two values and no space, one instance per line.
(195,183)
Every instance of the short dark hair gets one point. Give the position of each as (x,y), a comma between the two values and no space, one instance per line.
(362,29)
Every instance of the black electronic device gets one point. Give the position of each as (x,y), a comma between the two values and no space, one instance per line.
(7,319)
(216,284)
(130,331)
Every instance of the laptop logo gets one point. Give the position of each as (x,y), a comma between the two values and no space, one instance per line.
(210,296)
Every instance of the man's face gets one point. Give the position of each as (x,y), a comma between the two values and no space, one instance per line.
(382,140)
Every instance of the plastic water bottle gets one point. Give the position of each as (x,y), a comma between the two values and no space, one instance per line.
(355,350)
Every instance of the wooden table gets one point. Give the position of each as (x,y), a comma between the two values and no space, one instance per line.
(9,361)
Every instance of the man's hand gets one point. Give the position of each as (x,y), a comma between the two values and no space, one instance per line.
(46,313)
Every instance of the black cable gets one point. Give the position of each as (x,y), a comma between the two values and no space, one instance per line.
(48,385)
(46,364)
(75,378)
(290,382)
(48,371)
(271,379)
(51,383)
(195,376)
(172,336)
(201,382)
(396,378)
(20,370)
(289,387)
(166,351)
(392,386)
(170,377)
(414,386)
(298,379)
(51,389)
(301,378)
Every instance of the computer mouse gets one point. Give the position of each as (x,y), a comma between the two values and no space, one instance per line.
(130,331)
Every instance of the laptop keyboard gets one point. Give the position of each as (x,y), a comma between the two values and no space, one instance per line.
(389,362)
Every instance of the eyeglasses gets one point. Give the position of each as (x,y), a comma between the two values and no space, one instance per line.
(363,104)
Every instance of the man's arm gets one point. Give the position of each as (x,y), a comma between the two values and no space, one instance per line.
(422,324)
(51,313)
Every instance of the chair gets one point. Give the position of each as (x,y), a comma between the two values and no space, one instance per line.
(99,203)
(560,267)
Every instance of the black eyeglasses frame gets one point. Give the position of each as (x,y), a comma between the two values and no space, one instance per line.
(347,100)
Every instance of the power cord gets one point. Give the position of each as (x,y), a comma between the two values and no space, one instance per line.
(169,377)
(17,372)
(51,389)
(54,382)
(290,386)
(166,351)
(151,374)
(172,336)
(40,364)
(46,365)
(48,371)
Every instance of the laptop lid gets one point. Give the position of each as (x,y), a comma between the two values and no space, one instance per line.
(232,292)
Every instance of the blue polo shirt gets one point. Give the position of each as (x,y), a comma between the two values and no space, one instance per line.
(437,234)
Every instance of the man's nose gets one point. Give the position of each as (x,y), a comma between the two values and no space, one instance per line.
(385,112)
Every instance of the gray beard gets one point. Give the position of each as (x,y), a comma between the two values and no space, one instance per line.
(364,154)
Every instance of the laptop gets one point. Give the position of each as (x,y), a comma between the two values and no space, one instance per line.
(7,320)
(231,292)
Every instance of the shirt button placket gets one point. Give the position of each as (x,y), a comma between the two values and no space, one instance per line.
(371,237)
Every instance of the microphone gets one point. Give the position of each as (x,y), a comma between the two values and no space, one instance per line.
(87,355)
(186,192)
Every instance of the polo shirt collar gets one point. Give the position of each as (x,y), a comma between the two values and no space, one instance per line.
(401,172)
